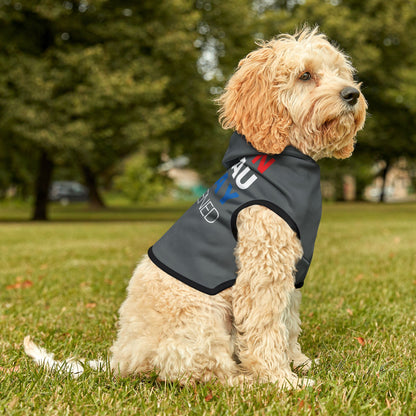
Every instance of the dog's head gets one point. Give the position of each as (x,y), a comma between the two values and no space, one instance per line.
(295,90)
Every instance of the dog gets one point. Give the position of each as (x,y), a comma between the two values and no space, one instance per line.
(225,306)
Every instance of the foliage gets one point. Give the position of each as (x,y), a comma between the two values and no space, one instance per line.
(66,282)
(139,181)
(76,86)
(82,89)
(223,36)
(91,83)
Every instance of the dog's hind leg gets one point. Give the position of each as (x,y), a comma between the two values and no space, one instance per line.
(198,346)
(266,254)
(198,349)
(141,323)
(171,328)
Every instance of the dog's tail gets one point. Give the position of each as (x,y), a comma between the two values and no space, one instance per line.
(71,365)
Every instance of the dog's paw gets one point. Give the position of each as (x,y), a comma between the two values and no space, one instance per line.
(303,364)
(306,382)
(297,383)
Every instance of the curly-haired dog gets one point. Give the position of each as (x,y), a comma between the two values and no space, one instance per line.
(217,297)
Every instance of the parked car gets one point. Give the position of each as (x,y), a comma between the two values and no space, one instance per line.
(68,191)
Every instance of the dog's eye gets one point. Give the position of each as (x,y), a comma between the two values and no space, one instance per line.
(306,76)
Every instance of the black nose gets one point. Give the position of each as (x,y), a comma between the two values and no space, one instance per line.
(350,95)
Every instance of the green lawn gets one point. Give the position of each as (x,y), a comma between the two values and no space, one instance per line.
(62,282)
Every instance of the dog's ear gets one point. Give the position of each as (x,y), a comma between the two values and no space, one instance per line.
(251,104)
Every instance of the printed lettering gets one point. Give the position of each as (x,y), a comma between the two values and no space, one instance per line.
(263,166)
(206,208)
(212,216)
(248,182)
(209,213)
(203,198)
(220,182)
(228,194)
(236,168)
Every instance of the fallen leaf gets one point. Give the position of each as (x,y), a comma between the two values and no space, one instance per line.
(350,312)
(10,287)
(209,396)
(91,305)
(301,404)
(361,341)
(20,285)
(310,314)
(43,267)
(359,277)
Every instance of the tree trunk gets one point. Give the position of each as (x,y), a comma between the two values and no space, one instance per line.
(384,177)
(42,185)
(95,199)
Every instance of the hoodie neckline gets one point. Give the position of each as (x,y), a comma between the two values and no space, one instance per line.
(239,147)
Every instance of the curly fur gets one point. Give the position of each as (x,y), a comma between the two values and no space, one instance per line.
(249,332)
(266,102)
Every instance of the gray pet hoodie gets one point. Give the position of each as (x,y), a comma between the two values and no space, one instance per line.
(199,248)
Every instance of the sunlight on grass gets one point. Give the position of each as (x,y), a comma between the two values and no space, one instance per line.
(63,282)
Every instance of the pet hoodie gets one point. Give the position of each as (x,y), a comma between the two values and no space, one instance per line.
(199,248)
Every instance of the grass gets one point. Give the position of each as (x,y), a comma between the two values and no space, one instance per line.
(63,281)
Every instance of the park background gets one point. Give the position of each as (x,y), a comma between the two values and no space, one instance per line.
(119,96)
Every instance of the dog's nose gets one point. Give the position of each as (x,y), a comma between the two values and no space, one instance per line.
(350,95)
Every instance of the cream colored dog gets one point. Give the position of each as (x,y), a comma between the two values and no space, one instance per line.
(294,90)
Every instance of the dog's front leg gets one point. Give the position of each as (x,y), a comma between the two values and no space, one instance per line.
(300,360)
(267,252)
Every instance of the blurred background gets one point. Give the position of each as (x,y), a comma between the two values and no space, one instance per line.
(108,100)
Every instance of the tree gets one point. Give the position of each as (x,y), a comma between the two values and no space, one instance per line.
(223,35)
(91,83)
(81,84)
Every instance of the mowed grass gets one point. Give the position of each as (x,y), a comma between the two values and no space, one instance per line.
(63,282)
